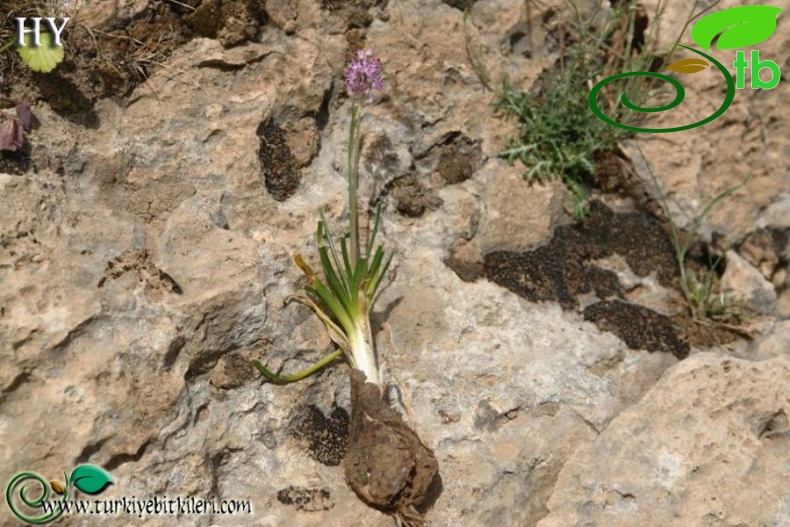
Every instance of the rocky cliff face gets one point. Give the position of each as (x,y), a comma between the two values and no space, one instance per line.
(146,245)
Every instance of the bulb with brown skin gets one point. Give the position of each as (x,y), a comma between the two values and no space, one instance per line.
(387,464)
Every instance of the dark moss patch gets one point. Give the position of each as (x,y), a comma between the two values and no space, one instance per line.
(14,163)
(638,327)
(327,437)
(560,269)
(563,269)
(281,174)
(306,499)
(636,236)
(412,197)
(542,274)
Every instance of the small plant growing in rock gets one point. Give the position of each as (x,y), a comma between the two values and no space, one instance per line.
(387,464)
(558,136)
(701,290)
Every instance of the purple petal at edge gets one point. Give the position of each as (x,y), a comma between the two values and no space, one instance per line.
(25,115)
(11,135)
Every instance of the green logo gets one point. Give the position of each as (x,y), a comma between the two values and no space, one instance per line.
(735,27)
(89,479)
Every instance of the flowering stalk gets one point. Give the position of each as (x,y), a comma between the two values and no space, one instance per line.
(354,138)
(362,76)
(344,299)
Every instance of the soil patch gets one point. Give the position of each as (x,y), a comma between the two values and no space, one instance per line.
(412,197)
(459,158)
(614,174)
(356,13)
(452,160)
(112,59)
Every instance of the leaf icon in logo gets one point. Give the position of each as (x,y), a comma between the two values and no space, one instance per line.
(90,479)
(690,65)
(741,26)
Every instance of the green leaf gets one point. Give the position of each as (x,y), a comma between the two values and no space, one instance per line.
(90,479)
(741,26)
(377,279)
(41,58)
(338,289)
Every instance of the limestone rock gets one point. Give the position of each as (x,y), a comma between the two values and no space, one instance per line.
(693,451)
(747,285)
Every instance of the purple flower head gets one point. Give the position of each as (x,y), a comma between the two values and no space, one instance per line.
(363,75)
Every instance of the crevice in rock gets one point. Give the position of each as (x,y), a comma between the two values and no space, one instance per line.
(321,115)
(18,381)
(119,459)
(776,424)
(173,351)
(89,450)
(18,344)
(586,421)
(74,333)
(205,361)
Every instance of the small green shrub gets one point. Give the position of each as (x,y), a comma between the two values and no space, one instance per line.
(558,135)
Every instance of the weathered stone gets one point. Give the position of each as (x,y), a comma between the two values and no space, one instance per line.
(747,285)
(710,419)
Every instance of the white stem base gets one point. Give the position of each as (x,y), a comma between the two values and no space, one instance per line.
(363,354)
